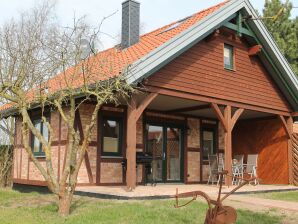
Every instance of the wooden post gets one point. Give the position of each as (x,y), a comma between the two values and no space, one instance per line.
(228,121)
(131,145)
(290,124)
(228,144)
(133,114)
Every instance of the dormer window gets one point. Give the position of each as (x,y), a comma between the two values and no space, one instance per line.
(229,57)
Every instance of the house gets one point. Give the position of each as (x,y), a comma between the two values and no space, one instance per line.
(214,82)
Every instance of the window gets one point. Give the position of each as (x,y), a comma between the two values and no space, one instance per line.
(208,143)
(229,57)
(112,136)
(36,144)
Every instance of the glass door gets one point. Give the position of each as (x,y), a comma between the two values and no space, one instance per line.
(165,144)
(155,147)
(173,154)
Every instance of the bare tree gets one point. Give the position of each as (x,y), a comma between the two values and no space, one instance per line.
(32,51)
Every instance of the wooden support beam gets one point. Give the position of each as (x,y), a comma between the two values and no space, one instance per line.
(295,114)
(228,143)
(290,124)
(236,116)
(133,114)
(220,116)
(144,104)
(187,109)
(236,28)
(254,50)
(285,126)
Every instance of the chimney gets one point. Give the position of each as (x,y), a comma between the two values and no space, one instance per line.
(130,23)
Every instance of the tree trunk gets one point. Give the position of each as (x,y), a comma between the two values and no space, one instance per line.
(64,204)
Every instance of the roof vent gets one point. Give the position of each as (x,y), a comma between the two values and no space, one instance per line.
(130,23)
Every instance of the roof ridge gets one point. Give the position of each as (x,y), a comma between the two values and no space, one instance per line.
(192,15)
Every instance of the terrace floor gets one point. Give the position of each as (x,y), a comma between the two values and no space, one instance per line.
(162,191)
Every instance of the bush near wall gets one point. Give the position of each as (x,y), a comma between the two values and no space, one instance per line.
(6,161)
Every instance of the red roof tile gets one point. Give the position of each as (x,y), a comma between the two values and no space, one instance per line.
(114,60)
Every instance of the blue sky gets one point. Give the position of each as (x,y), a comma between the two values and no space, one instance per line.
(154,13)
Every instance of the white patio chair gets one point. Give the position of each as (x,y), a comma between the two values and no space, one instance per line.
(221,165)
(213,168)
(251,167)
(237,169)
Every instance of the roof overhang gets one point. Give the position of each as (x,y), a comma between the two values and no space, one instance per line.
(271,56)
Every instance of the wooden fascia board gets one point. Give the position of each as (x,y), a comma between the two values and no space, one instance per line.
(207,99)
(187,109)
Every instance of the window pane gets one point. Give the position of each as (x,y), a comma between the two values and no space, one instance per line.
(36,143)
(208,144)
(111,129)
(36,146)
(228,57)
(45,132)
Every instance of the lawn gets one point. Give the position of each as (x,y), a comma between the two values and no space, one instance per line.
(283,196)
(17,207)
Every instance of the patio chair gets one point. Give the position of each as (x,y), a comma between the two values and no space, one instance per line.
(213,168)
(251,167)
(221,165)
(237,169)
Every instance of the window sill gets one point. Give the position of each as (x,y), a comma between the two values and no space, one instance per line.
(40,157)
(230,69)
(112,157)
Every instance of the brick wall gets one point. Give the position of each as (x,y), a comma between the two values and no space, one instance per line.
(193,142)
(25,170)
(111,173)
(193,166)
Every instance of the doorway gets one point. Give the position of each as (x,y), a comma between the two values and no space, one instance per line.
(165,143)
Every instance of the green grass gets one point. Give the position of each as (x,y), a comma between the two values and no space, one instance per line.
(16,207)
(283,196)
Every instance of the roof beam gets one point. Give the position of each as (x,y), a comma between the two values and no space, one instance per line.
(239,29)
(254,50)
(187,109)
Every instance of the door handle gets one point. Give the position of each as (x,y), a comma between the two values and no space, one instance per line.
(164,156)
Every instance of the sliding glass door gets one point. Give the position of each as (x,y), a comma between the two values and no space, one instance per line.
(165,143)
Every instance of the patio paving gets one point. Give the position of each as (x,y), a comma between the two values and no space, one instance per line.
(162,191)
